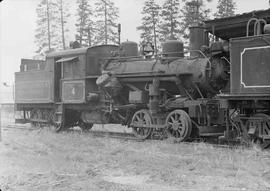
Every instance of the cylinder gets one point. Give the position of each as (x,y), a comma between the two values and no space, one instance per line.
(196,40)
(154,106)
(129,49)
(153,91)
(173,48)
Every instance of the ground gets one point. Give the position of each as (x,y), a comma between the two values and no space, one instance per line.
(32,160)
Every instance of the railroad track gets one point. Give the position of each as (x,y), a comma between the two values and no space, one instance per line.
(96,133)
(117,135)
(127,136)
(7,127)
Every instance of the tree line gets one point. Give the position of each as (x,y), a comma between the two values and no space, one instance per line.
(97,21)
(172,20)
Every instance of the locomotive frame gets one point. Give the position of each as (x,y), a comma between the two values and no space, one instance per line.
(212,93)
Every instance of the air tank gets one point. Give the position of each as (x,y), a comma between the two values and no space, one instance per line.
(172,48)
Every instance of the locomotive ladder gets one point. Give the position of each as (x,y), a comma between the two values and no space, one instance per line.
(59,116)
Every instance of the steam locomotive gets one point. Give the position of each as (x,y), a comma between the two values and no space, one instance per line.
(218,89)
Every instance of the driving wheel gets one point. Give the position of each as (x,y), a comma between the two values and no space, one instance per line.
(179,125)
(140,120)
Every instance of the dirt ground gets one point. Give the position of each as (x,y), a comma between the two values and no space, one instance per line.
(45,161)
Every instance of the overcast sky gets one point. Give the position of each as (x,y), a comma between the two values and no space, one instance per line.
(18,23)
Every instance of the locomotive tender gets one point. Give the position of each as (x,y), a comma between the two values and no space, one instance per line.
(220,89)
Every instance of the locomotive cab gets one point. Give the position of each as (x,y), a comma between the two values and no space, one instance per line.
(76,71)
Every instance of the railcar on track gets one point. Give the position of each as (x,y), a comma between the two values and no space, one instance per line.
(219,88)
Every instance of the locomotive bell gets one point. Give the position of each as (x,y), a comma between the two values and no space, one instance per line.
(173,48)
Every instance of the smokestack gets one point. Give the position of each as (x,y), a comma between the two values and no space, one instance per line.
(197,38)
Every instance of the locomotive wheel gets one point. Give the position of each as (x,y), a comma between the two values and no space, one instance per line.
(57,127)
(34,117)
(85,126)
(265,131)
(179,125)
(57,123)
(141,117)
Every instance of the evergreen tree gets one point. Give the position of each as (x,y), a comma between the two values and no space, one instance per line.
(151,17)
(169,27)
(46,33)
(193,13)
(225,8)
(85,29)
(106,25)
(63,15)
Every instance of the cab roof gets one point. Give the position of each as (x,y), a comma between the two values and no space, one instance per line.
(235,26)
(73,52)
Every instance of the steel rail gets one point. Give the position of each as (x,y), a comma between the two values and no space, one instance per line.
(131,137)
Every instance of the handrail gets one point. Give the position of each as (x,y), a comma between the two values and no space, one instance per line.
(223,57)
(250,20)
(257,26)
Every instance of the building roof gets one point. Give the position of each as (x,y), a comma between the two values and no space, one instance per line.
(232,27)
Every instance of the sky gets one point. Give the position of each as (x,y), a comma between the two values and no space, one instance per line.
(18,24)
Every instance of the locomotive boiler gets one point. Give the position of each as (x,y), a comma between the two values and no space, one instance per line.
(195,77)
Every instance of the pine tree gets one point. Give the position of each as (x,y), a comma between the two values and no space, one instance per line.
(225,8)
(106,24)
(193,13)
(46,33)
(170,20)
(151,17)
(85,28)
(63,16)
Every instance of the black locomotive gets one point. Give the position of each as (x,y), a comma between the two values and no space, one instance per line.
(220,87)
